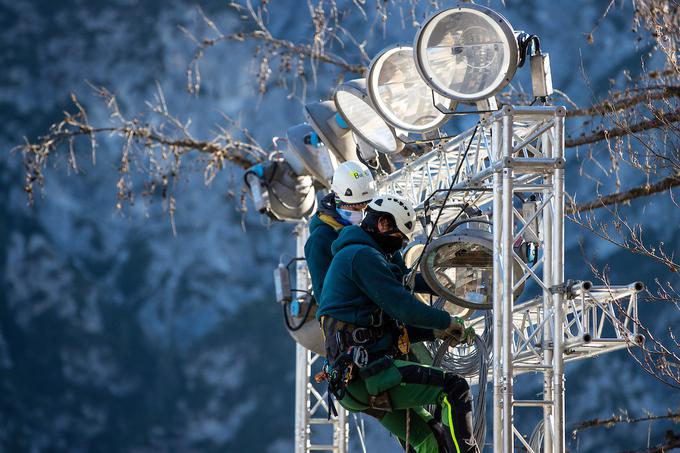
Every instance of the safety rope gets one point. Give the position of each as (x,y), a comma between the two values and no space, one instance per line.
(408,429)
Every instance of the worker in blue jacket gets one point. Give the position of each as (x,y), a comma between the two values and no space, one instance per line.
(352,188)
(369,320)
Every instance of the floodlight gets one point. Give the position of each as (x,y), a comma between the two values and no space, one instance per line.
(411,254)
(354,105)
(305,149)
(332,129)
(279,192)
(400,95)
(459,267)
(466,53)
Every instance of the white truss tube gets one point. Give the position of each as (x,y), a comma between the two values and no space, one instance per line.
(314,431)
(520,150)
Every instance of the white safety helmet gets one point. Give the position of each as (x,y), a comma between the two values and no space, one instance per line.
(353,183)
(400,208)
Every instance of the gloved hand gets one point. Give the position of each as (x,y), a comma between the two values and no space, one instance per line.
(470,336)
(458,331)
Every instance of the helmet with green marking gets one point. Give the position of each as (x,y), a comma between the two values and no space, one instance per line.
(353,183)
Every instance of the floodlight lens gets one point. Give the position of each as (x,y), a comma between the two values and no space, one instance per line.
(467,53)
(465,269)
(400,94)
(459,267)
(351,100)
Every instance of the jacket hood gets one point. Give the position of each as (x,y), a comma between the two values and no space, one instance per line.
(327,205)
(327,214)
(352,235)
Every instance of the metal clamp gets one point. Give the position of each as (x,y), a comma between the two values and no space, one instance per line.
(360,356)
(358,335)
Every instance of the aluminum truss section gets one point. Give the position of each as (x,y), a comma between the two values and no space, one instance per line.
(528,159)
(311,411)
(311,403)
(595,320)
(514,152)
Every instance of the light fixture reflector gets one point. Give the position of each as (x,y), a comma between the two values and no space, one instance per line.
(353,104)
(400,95)
(467,53)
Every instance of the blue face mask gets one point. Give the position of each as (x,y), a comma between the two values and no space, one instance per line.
(352,217)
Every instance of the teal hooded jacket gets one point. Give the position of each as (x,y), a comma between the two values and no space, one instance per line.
(362,279)
(318,251)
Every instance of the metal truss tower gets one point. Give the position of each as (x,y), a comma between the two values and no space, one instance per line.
(514,151)
(314,429)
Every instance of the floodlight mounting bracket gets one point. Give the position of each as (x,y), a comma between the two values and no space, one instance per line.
(454,112)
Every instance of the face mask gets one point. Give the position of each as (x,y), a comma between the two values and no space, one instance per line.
(388,244)
(352,217)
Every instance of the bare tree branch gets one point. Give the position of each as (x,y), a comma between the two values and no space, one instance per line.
(623,418)
(672,441)
(622,197)
(164,144)
(292,56)
(659,121)
(302,49)
(610,106)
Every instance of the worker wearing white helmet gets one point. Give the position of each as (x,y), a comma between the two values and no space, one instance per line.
(352,189)
(369,320)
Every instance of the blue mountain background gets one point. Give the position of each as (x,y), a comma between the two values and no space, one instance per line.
(117,335)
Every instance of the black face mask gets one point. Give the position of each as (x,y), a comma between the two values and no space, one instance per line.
(388,244)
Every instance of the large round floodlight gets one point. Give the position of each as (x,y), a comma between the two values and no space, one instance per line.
(305,147)
(467,53)
(399,94)
(332,129)
(412,253)
(459,267)
(354,106)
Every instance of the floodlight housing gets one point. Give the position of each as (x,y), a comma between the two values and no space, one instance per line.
(400,95)
(304,149)
(354,105)
(466,53)
(411,254)
(279,192)
(459,267)
(332,129)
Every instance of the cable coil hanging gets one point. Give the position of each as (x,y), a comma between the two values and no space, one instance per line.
(474,363)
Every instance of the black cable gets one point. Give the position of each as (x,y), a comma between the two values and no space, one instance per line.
(524,41)
(304,317)
(453,225)
(311,302)
(446,198)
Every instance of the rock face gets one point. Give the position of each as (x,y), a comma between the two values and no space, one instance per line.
(116,335)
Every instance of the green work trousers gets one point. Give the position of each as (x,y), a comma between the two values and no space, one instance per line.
(410,386)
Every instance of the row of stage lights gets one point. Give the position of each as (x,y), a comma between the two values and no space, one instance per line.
(460,56)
